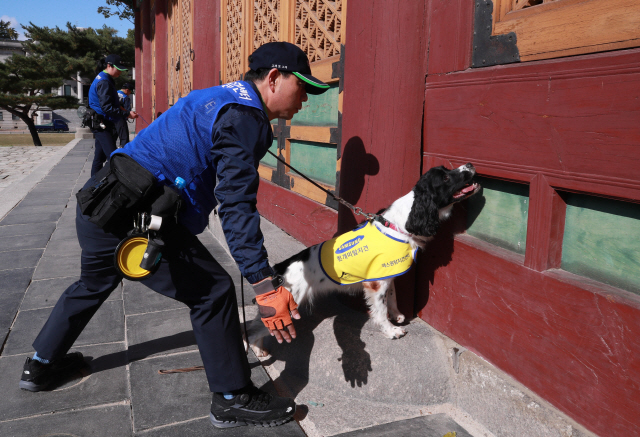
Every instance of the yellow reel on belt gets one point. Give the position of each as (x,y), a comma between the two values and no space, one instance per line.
(129,255)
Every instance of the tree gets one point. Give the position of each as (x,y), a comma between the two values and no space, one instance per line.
(124,9)
(7,32)
(54,55)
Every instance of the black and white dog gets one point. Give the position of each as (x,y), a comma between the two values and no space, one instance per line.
(414,218)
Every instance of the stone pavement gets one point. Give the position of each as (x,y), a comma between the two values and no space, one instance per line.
(16,162)
(347,378)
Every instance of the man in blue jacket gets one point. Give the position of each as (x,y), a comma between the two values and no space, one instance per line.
(103,98)
(124,94)
(214,139)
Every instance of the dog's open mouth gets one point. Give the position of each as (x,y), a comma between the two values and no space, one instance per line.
(467,191)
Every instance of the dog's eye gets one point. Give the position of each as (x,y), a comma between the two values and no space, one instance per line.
(446,177)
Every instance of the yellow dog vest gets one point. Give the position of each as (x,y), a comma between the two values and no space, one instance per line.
(365,254)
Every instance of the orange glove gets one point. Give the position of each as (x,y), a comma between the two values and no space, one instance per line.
(275,308)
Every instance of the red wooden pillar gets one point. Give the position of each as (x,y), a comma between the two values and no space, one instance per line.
(206,43)
(145,83)
(138,61)
(384,80)
(161,43)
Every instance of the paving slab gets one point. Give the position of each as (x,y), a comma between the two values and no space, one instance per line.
(202,427)
(20,259)
(33,241)
(9,304)
(153,334)
(32,200)
(106,326)
(139,299)
(164,399)
(161,400)
(45,293)
(433,425)
(20,209)
(63,247)
(17,218)
(29,229)
(104,382)
(57,266)
(107,421)
(15,281)
(65,233)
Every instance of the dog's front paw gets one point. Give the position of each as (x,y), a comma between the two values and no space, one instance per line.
(260,352)
(258,348)
(395,332)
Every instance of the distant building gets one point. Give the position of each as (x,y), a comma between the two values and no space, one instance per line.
(78,88)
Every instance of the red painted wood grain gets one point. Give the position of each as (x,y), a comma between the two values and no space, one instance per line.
(571,340)
(206,46)
(161,47)
(305,220)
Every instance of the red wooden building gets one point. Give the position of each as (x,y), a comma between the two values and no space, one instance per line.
(541,274)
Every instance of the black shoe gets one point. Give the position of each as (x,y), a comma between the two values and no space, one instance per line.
(37,376)
(250,406)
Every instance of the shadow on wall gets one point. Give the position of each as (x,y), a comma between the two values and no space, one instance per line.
(439,251)
(356,165)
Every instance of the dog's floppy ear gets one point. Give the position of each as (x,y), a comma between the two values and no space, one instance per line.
(424,218)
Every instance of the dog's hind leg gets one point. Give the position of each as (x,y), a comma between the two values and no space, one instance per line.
(392,305)
(376,295)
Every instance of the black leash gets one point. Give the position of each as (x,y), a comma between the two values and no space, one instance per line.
(356,209)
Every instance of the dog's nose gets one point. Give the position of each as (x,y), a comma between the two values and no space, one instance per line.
(469,166)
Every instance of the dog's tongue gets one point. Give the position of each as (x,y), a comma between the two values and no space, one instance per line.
(465,190)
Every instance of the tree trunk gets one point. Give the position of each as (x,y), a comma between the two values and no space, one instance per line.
(32,131)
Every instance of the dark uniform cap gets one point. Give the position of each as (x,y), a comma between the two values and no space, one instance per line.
(116,61)
(127,86)
(287,57)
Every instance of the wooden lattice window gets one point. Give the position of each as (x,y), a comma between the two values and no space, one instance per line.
(310,141)
(266,26)
(319,28)
(553,28)
(233,49)
(180,56)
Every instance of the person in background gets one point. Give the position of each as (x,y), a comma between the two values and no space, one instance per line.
(103,98)
(125,102)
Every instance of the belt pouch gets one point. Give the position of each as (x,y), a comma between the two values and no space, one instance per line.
(122,186)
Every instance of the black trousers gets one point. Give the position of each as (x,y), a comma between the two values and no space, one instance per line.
(105,145)
(187,273)
(123,131)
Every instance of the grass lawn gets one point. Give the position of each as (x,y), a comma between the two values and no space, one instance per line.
(26,140)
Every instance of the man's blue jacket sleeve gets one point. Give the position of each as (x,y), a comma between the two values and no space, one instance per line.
(241,137)
(109,101)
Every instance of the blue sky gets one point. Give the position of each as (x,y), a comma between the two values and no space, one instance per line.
(51,13)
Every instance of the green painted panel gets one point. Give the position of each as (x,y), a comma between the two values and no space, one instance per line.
(316,160)
(498,214)
(268,158)
(321,110)
(601,241)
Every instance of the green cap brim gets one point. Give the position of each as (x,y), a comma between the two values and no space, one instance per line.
(318,87)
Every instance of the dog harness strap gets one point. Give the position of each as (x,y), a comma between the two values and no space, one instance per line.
(365,254)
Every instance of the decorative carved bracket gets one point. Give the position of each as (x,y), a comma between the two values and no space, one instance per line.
(491,49)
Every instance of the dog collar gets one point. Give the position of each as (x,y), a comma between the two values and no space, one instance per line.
(387,224)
